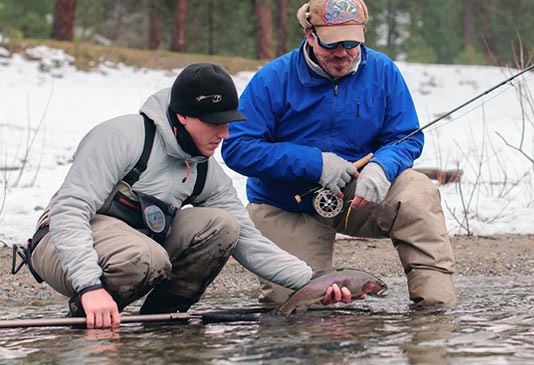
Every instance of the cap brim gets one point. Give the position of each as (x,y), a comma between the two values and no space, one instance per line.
(223,117)
(341,32)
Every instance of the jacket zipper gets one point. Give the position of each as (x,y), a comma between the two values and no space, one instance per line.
(332,123)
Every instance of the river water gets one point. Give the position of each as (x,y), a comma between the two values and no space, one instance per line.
(494,325)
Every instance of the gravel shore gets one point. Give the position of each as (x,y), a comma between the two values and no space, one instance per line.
(486,256)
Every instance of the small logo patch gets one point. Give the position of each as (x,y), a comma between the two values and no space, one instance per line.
(339,12)
(154,218)
(214,98)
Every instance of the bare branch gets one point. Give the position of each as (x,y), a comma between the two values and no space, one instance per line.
(516,148)
(31,140)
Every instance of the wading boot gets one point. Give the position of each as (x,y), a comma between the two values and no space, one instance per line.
(161,301)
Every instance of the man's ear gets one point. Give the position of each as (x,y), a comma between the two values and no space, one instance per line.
(182,119)
(309,37)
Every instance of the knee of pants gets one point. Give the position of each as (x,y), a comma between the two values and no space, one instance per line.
(144,265)
(417,194)
(223,225)
(194,228)
(412,210)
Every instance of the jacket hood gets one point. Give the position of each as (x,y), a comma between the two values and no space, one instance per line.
(155,107)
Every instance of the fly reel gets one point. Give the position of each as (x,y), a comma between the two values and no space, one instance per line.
(327,204)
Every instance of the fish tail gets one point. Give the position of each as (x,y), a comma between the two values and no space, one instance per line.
(285,309)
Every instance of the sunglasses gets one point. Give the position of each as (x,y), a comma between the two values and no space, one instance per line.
(331,46)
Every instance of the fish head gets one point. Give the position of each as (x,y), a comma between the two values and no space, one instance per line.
(375,288)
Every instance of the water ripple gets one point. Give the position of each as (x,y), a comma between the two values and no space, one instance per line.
(494,325)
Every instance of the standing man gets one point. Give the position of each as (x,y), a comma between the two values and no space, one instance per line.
(310,114)
(114,231)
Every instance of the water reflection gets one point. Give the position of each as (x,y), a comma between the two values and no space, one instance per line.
(494,325)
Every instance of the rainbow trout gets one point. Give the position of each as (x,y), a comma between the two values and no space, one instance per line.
(357,281)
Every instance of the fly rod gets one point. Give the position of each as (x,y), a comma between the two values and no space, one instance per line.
(465,104)
(252,314)
(329,205)
(80,321)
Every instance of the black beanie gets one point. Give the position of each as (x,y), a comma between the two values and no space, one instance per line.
(206,91)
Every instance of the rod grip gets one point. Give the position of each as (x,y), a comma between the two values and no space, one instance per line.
(358,164)
(363,161)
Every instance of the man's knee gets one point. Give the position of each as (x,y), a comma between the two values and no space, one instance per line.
(226,226)
(416,193)
(137,269)
(196,227)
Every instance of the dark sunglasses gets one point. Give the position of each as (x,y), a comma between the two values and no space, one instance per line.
(331,46)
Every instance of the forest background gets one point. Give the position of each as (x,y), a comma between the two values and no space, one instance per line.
(490,32)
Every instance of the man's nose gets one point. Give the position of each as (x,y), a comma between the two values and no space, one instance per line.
(340,50)
(223,131)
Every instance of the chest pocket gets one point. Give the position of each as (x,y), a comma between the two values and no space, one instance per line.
(369,115)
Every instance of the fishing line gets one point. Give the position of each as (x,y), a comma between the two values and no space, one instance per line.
(486,100)
(486,92)
(467,111)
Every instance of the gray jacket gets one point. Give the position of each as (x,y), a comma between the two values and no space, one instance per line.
(103,158)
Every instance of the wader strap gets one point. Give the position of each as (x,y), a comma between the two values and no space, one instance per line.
(38,236)
(202,171)
(25,253)
(134,174)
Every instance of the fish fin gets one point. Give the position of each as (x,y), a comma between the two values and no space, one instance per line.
(300,310)
(324,272)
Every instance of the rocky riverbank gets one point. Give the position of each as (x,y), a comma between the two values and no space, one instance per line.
(484,256)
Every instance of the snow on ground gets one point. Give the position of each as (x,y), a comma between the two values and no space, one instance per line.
(46,107)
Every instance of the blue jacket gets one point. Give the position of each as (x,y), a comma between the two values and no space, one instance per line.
(294,114)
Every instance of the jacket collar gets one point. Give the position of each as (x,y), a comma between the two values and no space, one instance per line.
(155,107)
(183,137)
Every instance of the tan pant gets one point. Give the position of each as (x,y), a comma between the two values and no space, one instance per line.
(411,215)
(199,244)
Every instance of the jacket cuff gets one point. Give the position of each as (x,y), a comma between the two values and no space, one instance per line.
(90,288)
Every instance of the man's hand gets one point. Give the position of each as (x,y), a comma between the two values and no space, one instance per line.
(100,309)
(336,173)
(372,186)
(359,202)
(334,295)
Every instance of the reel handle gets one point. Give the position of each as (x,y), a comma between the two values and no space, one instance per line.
(358,164)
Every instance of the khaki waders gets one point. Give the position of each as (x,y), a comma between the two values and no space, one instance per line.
(199,244)
(411,215)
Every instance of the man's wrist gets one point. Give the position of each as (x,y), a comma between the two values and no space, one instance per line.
(90,288)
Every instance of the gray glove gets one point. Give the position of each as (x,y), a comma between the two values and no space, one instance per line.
(336,173)
(372,184)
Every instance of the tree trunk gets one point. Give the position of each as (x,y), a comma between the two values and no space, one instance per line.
(178,33)
(114,13)
(211,28)
(154,24)
(63,26)
(469,22)
(264,34)
(485,28)
(281,46)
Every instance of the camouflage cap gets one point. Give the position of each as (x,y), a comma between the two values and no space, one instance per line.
(335,20)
